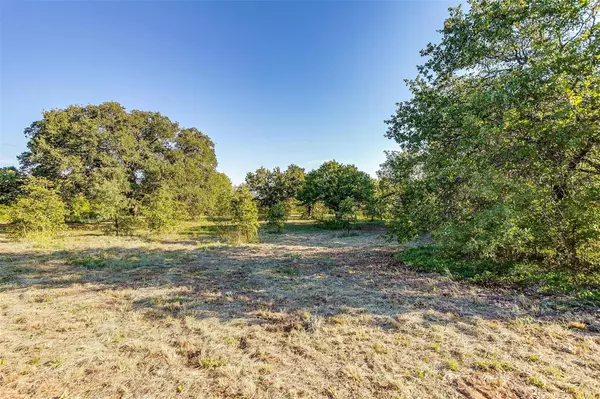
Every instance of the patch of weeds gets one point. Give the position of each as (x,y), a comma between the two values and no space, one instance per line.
(492,365)
(211,363)
(34,361)
(210,246)
(231,341)
(421,373)
(293,255)
(117,337)
(436,347)
(91,262)
(537,381)
(380,349)
(6,279)
(533,358)
(289,271)
(583,286)
(265,369)
(452,364)
(337,320)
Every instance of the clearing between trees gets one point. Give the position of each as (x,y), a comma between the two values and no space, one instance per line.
(305,313)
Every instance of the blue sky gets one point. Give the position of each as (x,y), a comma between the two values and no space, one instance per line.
(272,83)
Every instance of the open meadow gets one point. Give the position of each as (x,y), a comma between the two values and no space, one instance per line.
(306,313)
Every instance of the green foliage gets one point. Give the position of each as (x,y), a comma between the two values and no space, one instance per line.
(80,209)
(318,211)
(11,182)
(271,187)
(380,203)
(79,147)
(39,213)
(277,215)
(500,145)
(346,213)
(333,182)
(111,200)
(502,272)
(221,191)
(162,211)
(242,226)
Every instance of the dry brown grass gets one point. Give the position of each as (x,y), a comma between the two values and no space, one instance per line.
(304,314)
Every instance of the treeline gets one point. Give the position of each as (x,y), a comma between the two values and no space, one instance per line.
(140,170)
(334,194)
(500,143)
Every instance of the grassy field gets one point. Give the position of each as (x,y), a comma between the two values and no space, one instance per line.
(307,313)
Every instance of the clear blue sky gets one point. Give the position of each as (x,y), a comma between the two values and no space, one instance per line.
(272,83)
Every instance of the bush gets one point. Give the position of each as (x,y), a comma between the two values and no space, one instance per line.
(488,271)
(242,226)
(277,215)
(346,213)
(39,213)
(162,211)
(115,207)
(80,209)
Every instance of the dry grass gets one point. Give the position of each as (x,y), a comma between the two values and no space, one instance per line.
(304,314)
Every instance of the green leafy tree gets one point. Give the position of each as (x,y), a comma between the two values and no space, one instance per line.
(11,181)
(221,192)
(244,216)
(110,198)
(80,209)
(277,216)
(380,203)
(500,144)
(333,182)
(39,212)
(271,187)
(77,146)
(162,211)
(346,213)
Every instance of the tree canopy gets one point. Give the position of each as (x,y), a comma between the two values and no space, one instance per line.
(500,143)
(271,187)
(333,182)
(139,153)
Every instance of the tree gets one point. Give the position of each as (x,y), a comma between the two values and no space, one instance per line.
(38,212)
(500,144)
(244,216)
(78,146)
(333,182)
(271,187)
(11,181)
(221,192)
(380,204)
(112,200)
(346,213)
(277,216)
(162,211)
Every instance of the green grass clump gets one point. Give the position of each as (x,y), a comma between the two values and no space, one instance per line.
(584,286)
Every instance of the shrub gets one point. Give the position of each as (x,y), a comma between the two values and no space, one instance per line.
(242,226)
(80,209)
(39,213)
(162,211)
(277,216)
(346,213)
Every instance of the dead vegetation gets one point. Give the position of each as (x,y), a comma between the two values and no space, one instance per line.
(303,314)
